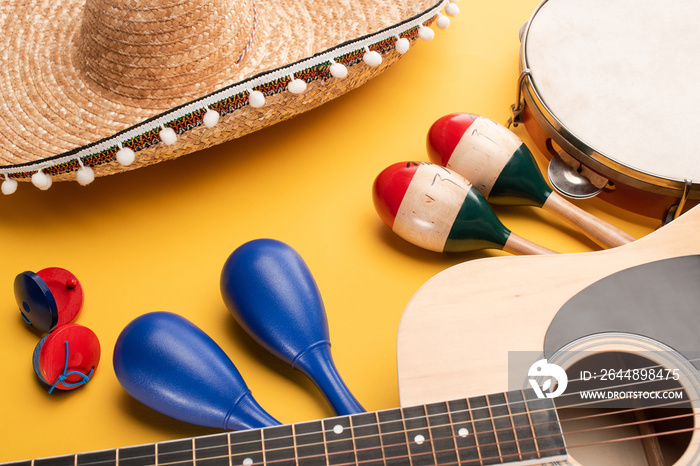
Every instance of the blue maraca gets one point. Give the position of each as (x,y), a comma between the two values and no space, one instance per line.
(270,292)
(170,365)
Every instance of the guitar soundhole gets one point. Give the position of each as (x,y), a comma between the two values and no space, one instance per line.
(641,415)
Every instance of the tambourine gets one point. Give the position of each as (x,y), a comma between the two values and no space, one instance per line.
(609,91)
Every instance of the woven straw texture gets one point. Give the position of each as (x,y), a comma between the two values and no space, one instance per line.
(76,72)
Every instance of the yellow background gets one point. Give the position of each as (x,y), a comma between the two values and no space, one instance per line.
(155,240)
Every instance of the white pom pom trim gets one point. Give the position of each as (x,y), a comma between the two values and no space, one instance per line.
(41,180)
(338,70)
(442,22)
(168,136)
(296,86)
(426,33)
(256,99)
(9,186)
(85,175)
(452,9)
(372,57)
(210,118)
(402,45)
(125,156)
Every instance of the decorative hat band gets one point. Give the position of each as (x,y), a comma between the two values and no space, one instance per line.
(167,127)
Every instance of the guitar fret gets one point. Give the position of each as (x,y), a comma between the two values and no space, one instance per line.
(339,441)
(476,437)
(278,445)
(503,427)
(405,436)
(294,445)
(310,444)
(522,424)
(420,444)
(484,431)
(354,444)
(419,440)
(393,437)
(212,450)
(515,434)
(142,455)
(440,426)
(545,424)
(368,443)
(532,428)
(493,425)
(177,452)
(463,432)
(246,447)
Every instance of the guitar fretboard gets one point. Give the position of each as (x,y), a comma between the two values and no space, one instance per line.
(508,428)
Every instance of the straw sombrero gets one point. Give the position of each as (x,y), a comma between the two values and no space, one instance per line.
(96,87)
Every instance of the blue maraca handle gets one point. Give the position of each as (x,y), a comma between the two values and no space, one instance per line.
(271,293)
(317,364)
(171,366)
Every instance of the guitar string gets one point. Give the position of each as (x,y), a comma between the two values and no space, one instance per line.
(429,427)
(439,451)
(460,461)
(482,432)
(657,366)
(517,441)
(508,457)
(521,455)
(631,423)
(487,418)
(583,404)
(433,452)
(632,383)
(629,410)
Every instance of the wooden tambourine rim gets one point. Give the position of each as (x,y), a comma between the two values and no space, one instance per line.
(582,151)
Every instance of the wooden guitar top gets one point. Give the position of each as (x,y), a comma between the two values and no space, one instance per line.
(456,331)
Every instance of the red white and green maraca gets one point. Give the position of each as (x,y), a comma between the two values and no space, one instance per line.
(504,170)
(439,210)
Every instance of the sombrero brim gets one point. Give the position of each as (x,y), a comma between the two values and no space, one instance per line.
(56,127)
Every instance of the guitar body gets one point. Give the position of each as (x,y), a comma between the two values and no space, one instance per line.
(463,402)
(457,331)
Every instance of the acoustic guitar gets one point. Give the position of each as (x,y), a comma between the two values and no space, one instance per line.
(458,407)
(623,322)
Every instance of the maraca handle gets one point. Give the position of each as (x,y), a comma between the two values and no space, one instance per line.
(521,246)
(327,379)
(271,293)
(600,231)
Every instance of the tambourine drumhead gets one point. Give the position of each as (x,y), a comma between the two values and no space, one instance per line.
(617,84)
